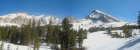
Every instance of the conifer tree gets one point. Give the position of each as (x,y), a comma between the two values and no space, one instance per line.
(55,33)
(80,38)
(139,19)
(4,32)
(109,30)
(49,34)
(58,35)
(85,34)
(66,33)
(14,35)
(127,31)
(10,35)
(39,31)
(33,31)
(63,46)
(22,35)
(26,35)
(0,33)
(65,37)
(73,40)
(36,42)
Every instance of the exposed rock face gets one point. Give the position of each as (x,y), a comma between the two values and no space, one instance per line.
(97,15)
(19,20)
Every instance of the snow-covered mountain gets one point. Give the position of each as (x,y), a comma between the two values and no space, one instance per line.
(95,41)
(95,19)
(101,41)
(97,15)
(24,18)
(100,19)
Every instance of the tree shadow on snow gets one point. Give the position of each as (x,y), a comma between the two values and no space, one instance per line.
(130,43)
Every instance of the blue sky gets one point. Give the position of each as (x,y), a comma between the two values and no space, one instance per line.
(126,10)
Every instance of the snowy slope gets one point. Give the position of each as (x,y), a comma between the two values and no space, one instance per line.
(100,19)
(21,47)
(100,41)
(9,24)
(87,23)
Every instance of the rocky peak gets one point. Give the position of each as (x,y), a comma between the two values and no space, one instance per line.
(97,15)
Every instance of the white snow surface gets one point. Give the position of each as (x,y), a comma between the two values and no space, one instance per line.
(22,47)
(87,23)
(9,24)
(100,41)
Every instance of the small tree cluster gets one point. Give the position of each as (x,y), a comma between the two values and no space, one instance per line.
(127,30)
(64,35)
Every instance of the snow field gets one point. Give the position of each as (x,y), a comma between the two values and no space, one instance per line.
(21,47)
(100,41)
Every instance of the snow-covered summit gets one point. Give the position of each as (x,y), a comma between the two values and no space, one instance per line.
(99,19)
(97,15)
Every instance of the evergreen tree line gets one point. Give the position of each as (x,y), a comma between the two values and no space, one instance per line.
(94,29)
(53,35)
(64,35)
(126,32)
(25,35)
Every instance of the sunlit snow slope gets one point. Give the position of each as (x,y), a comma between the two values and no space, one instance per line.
(100,41)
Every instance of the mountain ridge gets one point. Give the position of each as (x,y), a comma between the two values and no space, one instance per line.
(95,19)
(24,18)
(97,15)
